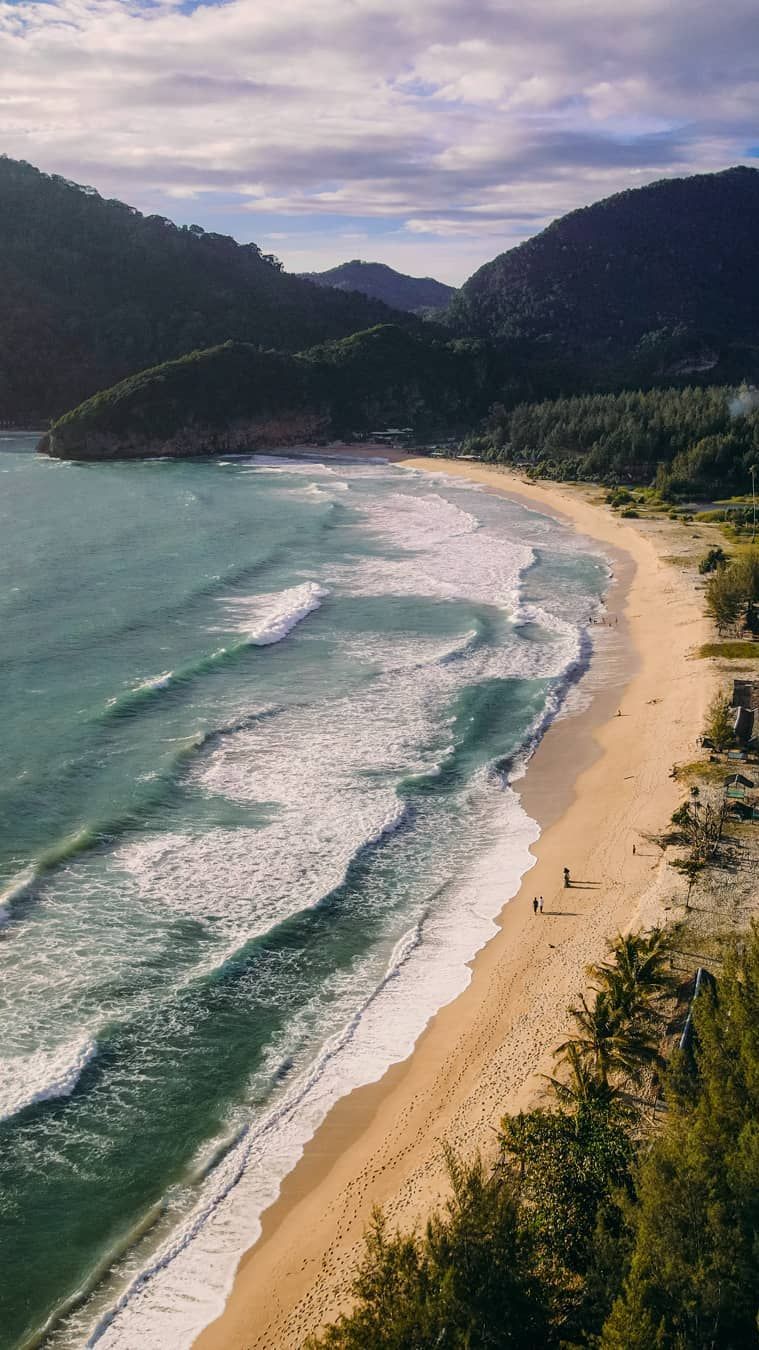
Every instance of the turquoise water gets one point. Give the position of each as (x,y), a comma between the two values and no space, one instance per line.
(259,722)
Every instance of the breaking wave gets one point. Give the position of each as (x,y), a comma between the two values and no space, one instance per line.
(44,1076)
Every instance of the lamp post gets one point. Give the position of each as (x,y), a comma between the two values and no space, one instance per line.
(752,471)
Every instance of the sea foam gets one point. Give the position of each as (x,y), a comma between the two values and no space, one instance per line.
(45,1075)
(352,753)
(187,1281)
(278,614)
(443,553)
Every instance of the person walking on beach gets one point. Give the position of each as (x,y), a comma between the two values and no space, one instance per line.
(566,877)
(540,904)
(534,904)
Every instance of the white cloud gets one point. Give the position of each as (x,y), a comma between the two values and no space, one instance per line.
(474,123)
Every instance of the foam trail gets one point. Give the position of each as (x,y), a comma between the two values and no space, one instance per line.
(43,1076)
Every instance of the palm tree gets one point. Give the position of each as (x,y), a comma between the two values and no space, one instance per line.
(636,976)
(610,1043)
(582,1088)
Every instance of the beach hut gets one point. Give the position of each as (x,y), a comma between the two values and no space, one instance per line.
(738,780)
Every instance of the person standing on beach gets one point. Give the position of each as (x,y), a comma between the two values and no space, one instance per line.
(534,904)
(540,904)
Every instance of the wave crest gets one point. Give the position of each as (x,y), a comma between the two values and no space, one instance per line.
(46,1075)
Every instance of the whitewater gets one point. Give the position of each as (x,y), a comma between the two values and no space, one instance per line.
(262,808)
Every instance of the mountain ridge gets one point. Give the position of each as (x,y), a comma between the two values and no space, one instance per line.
(662,280)
(93,291)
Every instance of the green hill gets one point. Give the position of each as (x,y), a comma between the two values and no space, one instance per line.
(92,290)
(657,283)
(237,397)
(418,295)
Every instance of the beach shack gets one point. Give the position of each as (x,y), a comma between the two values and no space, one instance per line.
(742,796)
(745,707)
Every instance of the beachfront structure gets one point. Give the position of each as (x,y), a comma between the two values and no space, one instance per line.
(745,706)
(392,435)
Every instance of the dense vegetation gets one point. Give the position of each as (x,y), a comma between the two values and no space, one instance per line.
(649,285)
(732,594)
(93,291)
(688,440)
(589,1230)
(419,295)
(236,397)
(656,285)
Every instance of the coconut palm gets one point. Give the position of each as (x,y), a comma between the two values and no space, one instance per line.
(636,977)
(582,1087)
(608,1041)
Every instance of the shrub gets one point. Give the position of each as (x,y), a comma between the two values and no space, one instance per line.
(716,557)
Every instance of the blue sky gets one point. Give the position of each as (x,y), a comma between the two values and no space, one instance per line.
(428,134)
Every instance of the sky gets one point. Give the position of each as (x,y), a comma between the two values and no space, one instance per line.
(427,134)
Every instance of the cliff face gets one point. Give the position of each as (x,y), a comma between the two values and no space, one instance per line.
(194,439)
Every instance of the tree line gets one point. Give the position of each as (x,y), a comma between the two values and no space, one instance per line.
(681,440)
(590,1229)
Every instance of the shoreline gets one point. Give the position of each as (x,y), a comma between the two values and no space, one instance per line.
(594,784)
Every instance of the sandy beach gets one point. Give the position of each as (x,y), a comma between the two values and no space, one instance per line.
(597,784)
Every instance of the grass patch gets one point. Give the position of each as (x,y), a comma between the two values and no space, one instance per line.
(704,770)
(731,651)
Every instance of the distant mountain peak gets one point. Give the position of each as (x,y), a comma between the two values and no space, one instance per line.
(377,281)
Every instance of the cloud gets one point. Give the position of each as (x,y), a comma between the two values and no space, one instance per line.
(454,128)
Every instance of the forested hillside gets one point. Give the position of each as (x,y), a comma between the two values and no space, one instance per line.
(652,284)
(237,397)
(93,291)
(688,440)
(416,294)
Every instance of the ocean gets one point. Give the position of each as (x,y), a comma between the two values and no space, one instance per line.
(263,724)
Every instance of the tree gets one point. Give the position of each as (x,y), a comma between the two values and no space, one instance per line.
(636,976)
(612,1045)
(581,1086)
(566,1167)
(719,723)
(724,595)
(468,1282)
(746,573)
(693,1280)
(691,868)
